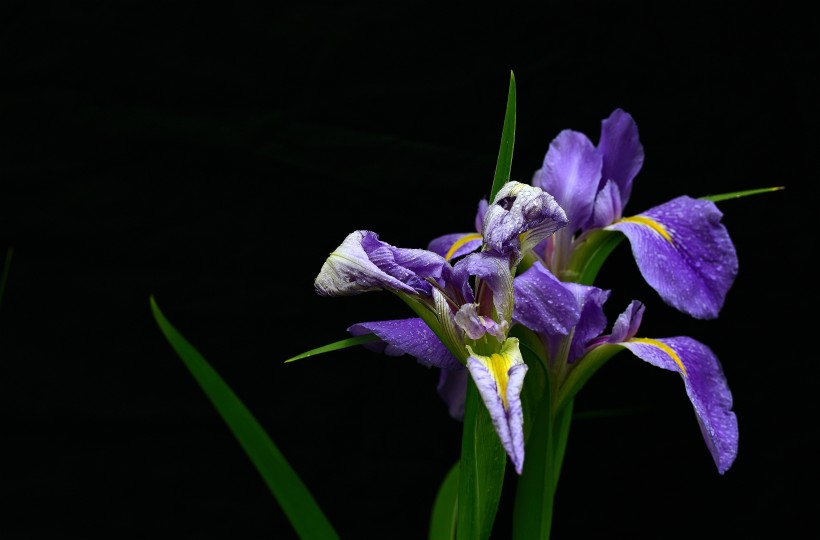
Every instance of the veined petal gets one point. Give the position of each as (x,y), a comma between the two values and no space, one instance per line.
(348,271)
(520,217)
(622,151)
(571,173)
(627,323)
(685,253)
(608,206)
(494,271)
(592,321)
(499,379)
(475,325)
(705,385)
(407,336)
(543,303)
(453,246)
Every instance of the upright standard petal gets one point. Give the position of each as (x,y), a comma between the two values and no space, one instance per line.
(499,379)
(705,385)
(571,173)
(622,151)
(685,253)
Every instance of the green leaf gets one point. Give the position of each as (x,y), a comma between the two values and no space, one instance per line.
(589,256)
(481,474)
(296,501)
(445,508)
(341,344)
(739,194)
(505,153)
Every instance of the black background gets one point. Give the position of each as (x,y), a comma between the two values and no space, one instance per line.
(213,155)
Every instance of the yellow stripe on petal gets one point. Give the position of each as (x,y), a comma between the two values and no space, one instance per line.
(499,365)
(460,242)
(665,348)
(651,223)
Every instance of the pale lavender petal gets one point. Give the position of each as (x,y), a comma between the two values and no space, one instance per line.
(592,321)
(410,266)
(442,244)
(348,271)
(520,217)
(509,425)
(608,207)
(622,151)
(452,389)
(706,387)
(627,323)
(685,253)
(543,303)
(571,173)
(475,325)
(410,336)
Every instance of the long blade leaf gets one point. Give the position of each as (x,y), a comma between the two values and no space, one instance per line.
(505,153)
(341,344)
(296,501)
(739,194)
(443,518)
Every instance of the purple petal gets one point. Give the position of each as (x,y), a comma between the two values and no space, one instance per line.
(706,387)
(493,270)
(622,151)
(520,217)
(452,388)
(592,321)
(571,173)
(410,336)
(508,423)
(410,266)
(349,270)
(483,204)
(684,253)
(543,303)
(443,244)
(608,207)
(627,323)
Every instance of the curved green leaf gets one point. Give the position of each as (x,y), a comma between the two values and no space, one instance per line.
(445,508)
(341,344)
(739,194)
(296,501)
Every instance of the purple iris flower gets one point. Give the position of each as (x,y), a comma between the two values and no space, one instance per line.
(465,310)
(682,249)
(571,328)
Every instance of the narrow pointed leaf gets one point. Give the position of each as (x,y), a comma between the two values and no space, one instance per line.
(505,153)
(296,501)
(341,344)
(739,194)
(445,507)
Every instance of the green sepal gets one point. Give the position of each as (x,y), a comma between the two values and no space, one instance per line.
(341,344)
(445,507)
(505,153)
(589,256)
(293,497)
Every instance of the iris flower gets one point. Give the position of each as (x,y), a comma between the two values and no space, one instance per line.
(681,247)
(570,332)
(462,322)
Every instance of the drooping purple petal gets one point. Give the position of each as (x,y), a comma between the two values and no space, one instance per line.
(706,387)
(452,389)
(508,422)
(685,253)
(407,336)
(622,151)
(410,266)
(543,303)
(348,271)
(571,173)
(627,323)
(520,217)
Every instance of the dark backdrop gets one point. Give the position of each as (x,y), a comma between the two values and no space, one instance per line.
(213,155)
